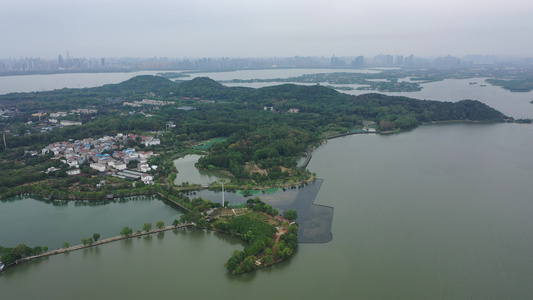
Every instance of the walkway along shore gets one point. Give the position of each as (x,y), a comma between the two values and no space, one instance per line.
(350,133)
(99,242)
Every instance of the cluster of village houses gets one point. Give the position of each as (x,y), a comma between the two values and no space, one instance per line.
(96,151)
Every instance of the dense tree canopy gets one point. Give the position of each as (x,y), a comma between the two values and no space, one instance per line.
(259,129)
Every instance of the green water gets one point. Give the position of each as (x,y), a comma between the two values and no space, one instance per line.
(187,172)
(51,223)
(441,212)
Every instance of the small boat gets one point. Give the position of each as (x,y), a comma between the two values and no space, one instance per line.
(109,196)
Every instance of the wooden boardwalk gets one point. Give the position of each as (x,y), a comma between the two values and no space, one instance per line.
(100,242)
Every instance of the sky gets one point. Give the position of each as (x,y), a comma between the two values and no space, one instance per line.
(264,28)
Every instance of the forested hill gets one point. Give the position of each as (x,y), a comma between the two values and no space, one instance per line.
(140,84)
(403,111)
(336,108)
(316,99)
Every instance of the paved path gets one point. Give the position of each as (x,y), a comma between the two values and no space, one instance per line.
(100,242)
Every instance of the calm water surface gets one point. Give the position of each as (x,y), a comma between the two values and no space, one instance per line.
(51,223)
(38,83)
(187,172)
(441,212)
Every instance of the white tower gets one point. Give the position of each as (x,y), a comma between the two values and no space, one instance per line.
(222,194)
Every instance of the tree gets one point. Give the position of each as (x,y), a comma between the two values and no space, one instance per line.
(293,229)
(147,227)
(66,245)
(84,241)
(248,263)
(126,231)
(21,250)
(160,224)
(238,269)
(96,237)
(175,223)
(268,260)
(132,164)
(8,258)
(291,214)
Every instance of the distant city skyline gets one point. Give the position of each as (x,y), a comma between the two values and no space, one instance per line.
(264,28)
(69,64)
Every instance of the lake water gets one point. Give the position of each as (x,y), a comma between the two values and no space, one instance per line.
(38,83)
(51,223)
(440,212)
(187,172)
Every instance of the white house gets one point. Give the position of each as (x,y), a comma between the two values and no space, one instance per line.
(97,166)
(147,179)
(72,163)
(151,142)
(58,114)
(120,166)
(144,167)
(51,169)
(74,172)
(69,123)
(146,154)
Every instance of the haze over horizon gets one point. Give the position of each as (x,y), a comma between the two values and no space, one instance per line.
(261,28)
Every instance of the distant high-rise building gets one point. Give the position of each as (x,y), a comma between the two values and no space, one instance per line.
(60,61)
(333,61)
(336,62)
(410,60)
(399,59)
(447,61)
(358,62)
(389,59)
(103,61)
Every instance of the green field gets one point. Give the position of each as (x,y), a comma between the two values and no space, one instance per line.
(209,143)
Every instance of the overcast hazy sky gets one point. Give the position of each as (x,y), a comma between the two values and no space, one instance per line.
(259,28)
